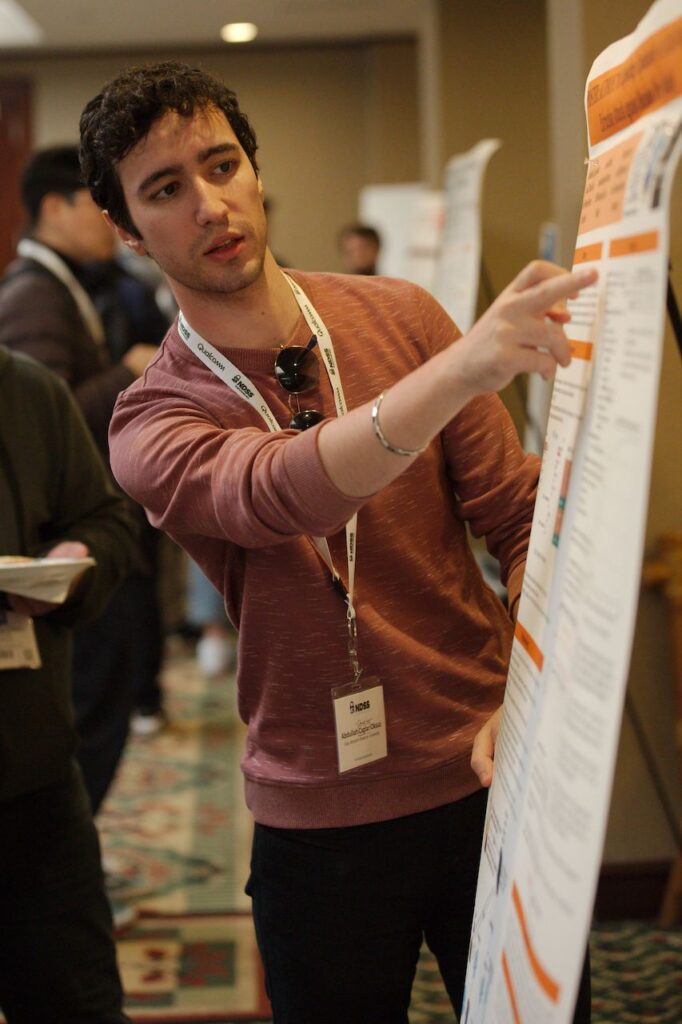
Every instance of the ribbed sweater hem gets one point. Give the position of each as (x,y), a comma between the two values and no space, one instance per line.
(283,805)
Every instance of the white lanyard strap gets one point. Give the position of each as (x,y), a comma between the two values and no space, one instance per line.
(52,261)
(324,339)
(218,363)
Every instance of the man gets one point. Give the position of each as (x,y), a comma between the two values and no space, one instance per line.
(47,312)
(57,958)
(359,247)
(363,680)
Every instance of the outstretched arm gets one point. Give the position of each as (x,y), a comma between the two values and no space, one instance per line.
(521,332)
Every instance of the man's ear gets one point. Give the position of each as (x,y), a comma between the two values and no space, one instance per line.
(130,240)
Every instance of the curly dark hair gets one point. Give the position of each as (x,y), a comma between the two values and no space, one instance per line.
(124,111)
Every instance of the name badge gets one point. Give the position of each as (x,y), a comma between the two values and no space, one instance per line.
(360,725)
(18,646)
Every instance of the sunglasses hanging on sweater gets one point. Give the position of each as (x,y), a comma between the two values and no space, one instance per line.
(298,371)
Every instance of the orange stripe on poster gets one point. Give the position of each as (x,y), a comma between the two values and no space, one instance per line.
(587,253)
(547,984)
(581,349)
(510,989)
(646,81)
(648,242)
(529,645)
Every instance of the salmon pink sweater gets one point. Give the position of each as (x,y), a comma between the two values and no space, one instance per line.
(243,502)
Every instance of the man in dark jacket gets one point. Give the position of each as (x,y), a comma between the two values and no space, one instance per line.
(47,312)
(57,960)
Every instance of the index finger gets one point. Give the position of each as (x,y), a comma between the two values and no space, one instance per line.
(541,297)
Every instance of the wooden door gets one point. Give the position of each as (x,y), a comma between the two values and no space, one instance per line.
(15,146)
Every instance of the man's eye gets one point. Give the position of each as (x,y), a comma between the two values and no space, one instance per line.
(225,166)
(166,192)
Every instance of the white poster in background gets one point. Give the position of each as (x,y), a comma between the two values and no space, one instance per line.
(455,282)
(390,209)
(424,238)
(555,755)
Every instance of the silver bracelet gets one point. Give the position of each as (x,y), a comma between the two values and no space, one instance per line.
(380,434)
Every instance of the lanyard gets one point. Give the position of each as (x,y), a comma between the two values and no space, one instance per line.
(222,367)
(52,261)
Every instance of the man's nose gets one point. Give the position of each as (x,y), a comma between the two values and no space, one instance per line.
(211,205)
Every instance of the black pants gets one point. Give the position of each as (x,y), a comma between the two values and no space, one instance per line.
(57,958)
(147,641)
(147,627)
(340,913)
(103,676)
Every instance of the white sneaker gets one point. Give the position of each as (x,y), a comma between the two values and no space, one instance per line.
(123,915)
(147,725)
(215,655)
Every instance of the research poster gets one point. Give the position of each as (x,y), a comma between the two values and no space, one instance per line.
(457,270)
(556,750)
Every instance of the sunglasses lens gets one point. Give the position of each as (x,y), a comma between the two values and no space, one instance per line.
(296,369)
(304,419)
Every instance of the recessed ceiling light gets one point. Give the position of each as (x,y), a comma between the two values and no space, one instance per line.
(17,28)
(239,32)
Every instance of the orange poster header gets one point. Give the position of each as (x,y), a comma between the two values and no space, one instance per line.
(647,242)
(647,80)
(529,645)
(587,253)
(581,349)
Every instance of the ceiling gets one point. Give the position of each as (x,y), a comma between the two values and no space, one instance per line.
(100,25)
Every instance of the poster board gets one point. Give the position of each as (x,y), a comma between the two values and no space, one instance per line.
(556,750)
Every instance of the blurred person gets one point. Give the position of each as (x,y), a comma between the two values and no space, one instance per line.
(216,646)
(359,248)
(57,957)
(253,456)
(46,312)
(126,303)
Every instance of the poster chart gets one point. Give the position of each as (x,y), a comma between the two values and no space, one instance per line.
(556,749)
(455,282)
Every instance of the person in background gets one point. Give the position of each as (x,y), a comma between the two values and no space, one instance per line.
(46,312)
(128,309)
(359,248)
(57,957)
(318,444)
(216,646)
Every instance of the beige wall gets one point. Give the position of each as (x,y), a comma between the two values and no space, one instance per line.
(494,85)
(329,120)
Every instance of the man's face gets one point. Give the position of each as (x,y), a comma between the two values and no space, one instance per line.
(358,254)
(78,227)
(197,204)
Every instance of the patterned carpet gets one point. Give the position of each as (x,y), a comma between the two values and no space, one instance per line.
(636,978)
(636,974)
(175,825)
(192,968)
(178,832)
